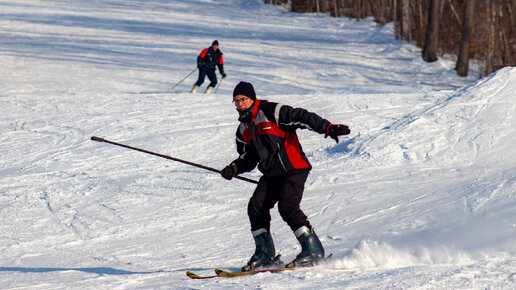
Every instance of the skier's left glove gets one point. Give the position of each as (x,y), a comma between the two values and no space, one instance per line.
(334,131)
(229,171)
(223,75)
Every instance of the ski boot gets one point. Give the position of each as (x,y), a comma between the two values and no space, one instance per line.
(194,89)
(209,90)
(312,250)
(264,254)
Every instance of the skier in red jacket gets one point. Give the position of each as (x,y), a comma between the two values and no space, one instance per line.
(267,137)
(208,59)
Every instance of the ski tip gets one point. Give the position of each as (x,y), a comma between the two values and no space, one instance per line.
(191,274)
(195,276)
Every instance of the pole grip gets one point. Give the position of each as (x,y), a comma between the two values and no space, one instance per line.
(98,139)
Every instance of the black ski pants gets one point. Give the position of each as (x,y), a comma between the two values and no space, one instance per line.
(287,192)
(211,75)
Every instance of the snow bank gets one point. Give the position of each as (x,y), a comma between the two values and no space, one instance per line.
(471,126)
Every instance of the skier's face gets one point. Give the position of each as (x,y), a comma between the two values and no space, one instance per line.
(242,102)
(215,47)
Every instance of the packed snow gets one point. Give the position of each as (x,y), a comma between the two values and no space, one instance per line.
(421,194)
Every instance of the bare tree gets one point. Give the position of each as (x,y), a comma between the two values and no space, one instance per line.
(397,22)
(462,66)
(335,9)
(491,16)
(325,6)
(406,29)
(484,30)
(432,29)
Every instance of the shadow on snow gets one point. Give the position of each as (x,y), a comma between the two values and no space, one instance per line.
(97,270)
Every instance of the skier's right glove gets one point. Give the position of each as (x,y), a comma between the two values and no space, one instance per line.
(229,171)
(334,131)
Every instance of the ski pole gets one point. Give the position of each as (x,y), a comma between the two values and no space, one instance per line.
(98,139)
(218,86)
(184,78)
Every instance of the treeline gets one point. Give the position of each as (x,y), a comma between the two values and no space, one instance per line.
(483,30)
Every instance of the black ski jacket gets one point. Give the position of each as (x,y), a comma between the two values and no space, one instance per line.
(208,59)
(270,141)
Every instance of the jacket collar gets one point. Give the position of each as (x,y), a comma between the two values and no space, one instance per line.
(250,114)
(256,108)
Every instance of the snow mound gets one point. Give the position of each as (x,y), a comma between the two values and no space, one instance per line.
(472,125)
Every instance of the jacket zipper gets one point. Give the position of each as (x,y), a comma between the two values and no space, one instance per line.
(279,157)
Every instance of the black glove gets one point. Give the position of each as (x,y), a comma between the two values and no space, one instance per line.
(229,171)
(223,75)
(334,131)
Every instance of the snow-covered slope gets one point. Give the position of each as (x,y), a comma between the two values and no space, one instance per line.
(422,194)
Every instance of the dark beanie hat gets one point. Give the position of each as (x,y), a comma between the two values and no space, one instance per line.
(215,42)
(245,89)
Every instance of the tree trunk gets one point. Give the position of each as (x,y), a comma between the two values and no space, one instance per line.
(432,29)
(323,5)
(405,10)
(335,9)
(462,66)
(491,15)
(397,22)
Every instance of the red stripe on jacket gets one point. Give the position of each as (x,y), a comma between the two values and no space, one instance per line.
(247,136)
(203,53)
(293,149)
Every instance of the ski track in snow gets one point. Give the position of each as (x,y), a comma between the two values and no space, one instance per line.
(420,195)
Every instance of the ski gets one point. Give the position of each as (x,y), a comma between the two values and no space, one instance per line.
(195,276)
(230,274)
(219,273)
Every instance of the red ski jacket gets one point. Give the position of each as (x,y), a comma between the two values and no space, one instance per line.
(270,141)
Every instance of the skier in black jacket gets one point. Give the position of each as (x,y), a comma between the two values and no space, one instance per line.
(208,59)
(267,137)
